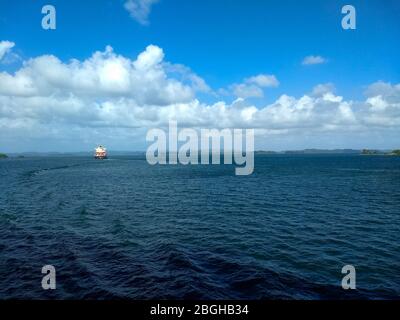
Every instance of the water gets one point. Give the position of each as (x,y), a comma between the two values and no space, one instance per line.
(121,228)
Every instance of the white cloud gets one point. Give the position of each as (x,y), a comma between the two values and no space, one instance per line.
(186,74)
(104,74)
(252,87)
(247,91)
(323,88)
(383,89)
(140,9)
(383,104)
(310,60)
(5,47)
(263,80)
(108,96)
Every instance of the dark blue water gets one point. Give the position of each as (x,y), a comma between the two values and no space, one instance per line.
(121,228)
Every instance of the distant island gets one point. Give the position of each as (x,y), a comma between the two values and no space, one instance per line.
(368,152)
(312,151)
(323,151)
(395,152)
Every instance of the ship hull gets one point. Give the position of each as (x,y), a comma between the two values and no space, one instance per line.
(100,157)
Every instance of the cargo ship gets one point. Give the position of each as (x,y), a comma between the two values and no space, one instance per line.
(100,153)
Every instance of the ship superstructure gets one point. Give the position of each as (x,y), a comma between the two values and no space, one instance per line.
(100,153)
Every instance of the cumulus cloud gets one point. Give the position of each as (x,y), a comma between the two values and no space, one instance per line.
(186,74)
(109,96)
(140,9)
(104,74)
(310,60)
(5,47)
(383,104)
(252,87)
(263,80)
(323,88)
(247,91)
(384,89)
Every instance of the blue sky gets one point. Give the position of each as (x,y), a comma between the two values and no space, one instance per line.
(223,42)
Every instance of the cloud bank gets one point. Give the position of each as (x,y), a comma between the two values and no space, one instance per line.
(114,98)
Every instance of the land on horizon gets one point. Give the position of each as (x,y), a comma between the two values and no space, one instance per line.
(258,152)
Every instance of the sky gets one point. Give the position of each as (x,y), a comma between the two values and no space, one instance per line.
(111,70)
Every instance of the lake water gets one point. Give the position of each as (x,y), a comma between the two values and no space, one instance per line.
(120,228)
